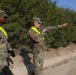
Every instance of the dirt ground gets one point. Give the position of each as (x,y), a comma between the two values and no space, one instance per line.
(60,51)
(22,64)
(67,68)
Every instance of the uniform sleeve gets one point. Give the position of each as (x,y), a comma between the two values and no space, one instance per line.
(52,27)
(49,28)
(34,36)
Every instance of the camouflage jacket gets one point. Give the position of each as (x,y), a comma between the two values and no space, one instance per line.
(4,46)
(36,38)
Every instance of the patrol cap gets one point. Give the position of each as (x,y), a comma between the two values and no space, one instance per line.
(3,14)
(36,19)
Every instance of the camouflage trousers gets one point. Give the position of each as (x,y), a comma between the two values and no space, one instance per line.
(6,71)
(38,62)
(3,55)
(3,63)
(4,67)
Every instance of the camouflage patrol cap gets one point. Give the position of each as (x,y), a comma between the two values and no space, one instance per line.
(36,19)
(3,14)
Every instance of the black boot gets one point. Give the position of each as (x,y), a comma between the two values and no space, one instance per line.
(6,71)
(31,73)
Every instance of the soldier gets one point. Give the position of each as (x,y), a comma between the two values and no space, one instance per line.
(36,35)
(4,46)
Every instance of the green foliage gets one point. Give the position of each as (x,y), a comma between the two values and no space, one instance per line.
(20,15)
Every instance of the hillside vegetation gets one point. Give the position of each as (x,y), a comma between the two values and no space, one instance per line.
(20,15)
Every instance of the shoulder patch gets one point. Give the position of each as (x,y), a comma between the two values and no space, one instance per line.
(32,33)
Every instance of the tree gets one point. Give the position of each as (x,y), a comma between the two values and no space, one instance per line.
(20,16)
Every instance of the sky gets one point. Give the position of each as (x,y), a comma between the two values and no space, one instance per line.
(66,3)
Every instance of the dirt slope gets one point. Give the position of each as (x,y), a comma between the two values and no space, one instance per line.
(23,62)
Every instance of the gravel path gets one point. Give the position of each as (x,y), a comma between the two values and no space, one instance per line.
(67,68)
(56,62)
(59,65)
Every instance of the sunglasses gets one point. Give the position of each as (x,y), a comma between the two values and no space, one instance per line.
(38,23)
(5,17)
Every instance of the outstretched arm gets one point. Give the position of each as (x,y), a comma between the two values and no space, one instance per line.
(54,27)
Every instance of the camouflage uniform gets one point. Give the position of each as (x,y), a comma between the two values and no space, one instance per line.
(4,47)
(38,48)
